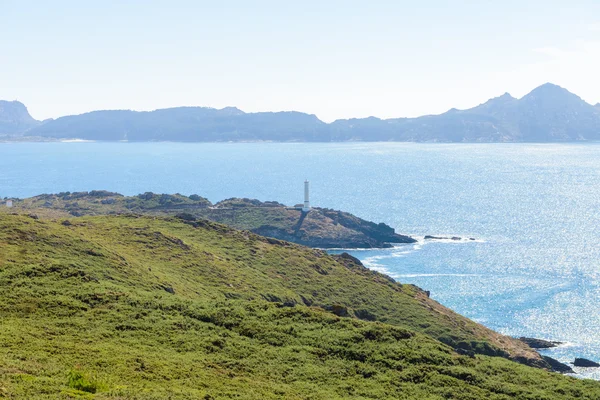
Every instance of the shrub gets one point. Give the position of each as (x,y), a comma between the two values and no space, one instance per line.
(78,381)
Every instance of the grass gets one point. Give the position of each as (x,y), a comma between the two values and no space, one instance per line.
(153,308)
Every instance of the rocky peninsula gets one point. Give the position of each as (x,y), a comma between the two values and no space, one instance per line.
(320,227)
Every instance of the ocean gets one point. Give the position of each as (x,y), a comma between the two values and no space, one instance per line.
(534,210)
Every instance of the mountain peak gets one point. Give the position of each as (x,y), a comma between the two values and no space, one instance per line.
(231,111)
(13,102)
(493,104)
(549,89)
(505,96)
(553,95)
(13,107)
(550,85)
(14,117)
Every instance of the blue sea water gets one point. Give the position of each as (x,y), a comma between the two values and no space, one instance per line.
(534,209)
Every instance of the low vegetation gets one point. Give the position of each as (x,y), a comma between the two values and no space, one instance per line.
(140,307)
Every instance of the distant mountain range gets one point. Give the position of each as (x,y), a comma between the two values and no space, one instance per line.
(547,114)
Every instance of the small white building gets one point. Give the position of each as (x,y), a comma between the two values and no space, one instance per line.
(9,203)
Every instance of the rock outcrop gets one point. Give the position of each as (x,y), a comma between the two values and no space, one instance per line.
(539,343)
(584,362)
(557,366)
(455,238)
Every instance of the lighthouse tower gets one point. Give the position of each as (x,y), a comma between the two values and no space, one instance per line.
(306,207)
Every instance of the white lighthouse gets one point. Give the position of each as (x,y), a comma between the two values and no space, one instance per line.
(306,207)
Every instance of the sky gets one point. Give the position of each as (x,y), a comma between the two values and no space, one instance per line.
(332,58)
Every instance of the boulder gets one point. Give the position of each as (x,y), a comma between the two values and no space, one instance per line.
(583,362)
(337,309)
(557,366)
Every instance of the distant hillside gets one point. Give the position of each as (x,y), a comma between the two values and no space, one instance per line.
(323,228)
(185,124)
(548,114)
(14,118)
(130,307)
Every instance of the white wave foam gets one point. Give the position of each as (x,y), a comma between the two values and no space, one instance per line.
(385,271)
(402,250)
(430,275)
(421,241)
(372,264)
(77,141)
(564,345)
(372,261)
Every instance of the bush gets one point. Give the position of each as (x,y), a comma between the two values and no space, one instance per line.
(78,381)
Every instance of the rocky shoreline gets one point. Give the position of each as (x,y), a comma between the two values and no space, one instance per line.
(556,365)
(539,343)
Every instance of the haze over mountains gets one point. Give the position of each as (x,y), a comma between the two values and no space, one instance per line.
(549,113)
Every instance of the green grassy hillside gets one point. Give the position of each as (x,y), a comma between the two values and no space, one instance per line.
(128,307)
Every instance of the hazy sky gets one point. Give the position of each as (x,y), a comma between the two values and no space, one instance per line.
(335,59)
